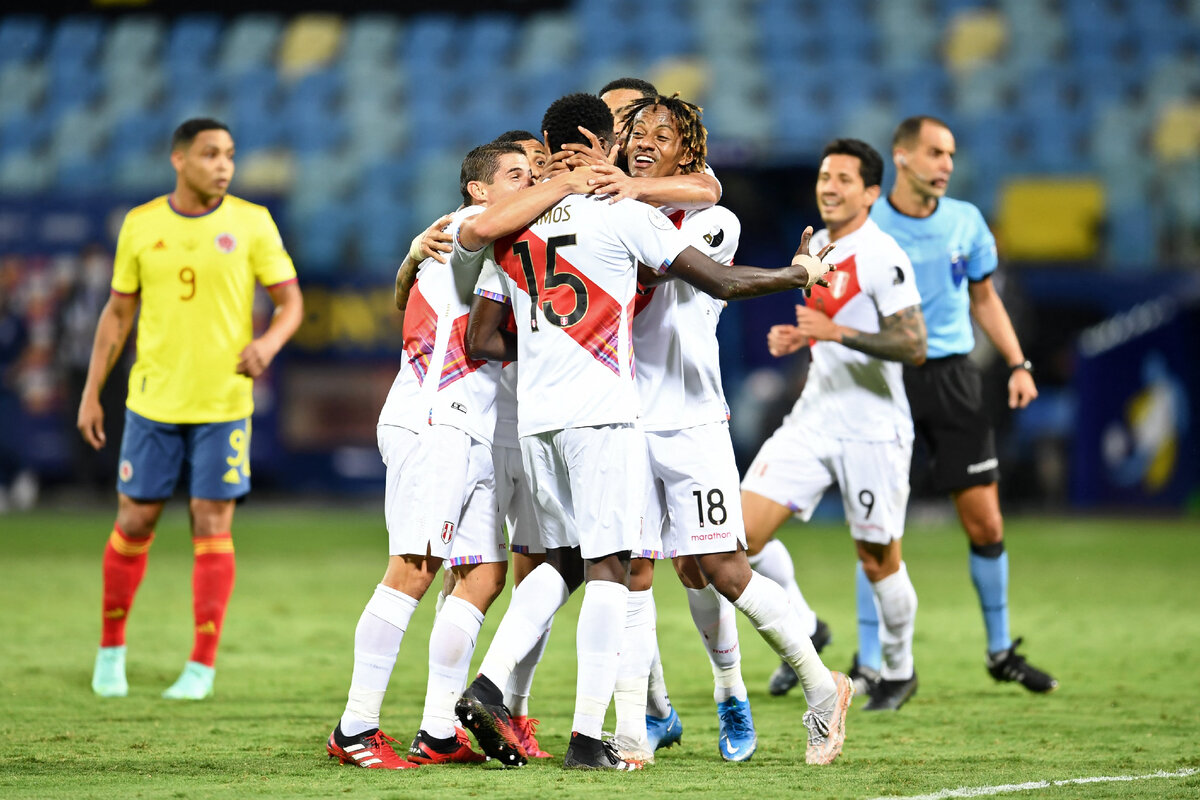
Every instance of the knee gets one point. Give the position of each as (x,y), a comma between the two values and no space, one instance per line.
(641,574)
(137,520)
(985,528)
(689,572)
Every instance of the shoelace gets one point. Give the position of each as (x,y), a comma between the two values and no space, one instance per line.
(737,722)
(610,752)
(379,743)
(818,727)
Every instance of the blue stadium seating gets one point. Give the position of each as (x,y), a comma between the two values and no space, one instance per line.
(21,37)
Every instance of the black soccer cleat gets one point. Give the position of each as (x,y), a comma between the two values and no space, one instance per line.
(1008,665)
(863,677)
(489,720)
(784,678)
(890,695)
(584,752)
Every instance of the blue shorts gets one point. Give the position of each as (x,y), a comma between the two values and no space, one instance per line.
(213,457)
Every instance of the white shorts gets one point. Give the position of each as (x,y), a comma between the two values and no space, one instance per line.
(589,487)
(795,467)
(516,500)
(440,496)
(694,505)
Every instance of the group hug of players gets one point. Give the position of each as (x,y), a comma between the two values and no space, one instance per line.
(520,407)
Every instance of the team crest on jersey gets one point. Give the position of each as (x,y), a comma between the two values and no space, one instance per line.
(958,267)
(715,238)
(125,471)
(447,531)
(226,243)
(839,281)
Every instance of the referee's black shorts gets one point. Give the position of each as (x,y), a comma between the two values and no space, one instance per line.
(946,396)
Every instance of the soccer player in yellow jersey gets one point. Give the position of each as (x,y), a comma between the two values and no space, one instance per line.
(190,260)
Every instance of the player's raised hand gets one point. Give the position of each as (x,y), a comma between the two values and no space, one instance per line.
(611,180)
(254,359)
(432,242)
(784,339)
(592,153)
(1021,389)
(578,180)
(815,266)
(91,422)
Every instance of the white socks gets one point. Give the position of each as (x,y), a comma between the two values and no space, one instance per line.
(533,605)
(775,562)
(451,645)
(897,619)
(766,604)
(376,643)
(520,683)
(717,623)
(638,650)
(597,644)
(657,702)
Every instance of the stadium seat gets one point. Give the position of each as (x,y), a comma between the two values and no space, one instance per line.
(133,39)
(1177,134)
(974,38)
(83,176)
(547,41)
(24,173)
(194,38)
(22,37)
(1049,219)
(22,84)
(310,42)
(249,43)
(75,39)
(371,39)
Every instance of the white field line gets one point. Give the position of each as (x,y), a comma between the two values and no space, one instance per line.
(984,791)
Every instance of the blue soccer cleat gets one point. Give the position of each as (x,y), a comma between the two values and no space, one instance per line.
(108,677)
(195,683)
(664,731)
(736,738)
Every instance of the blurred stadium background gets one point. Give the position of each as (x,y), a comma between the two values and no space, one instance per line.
(1078,128)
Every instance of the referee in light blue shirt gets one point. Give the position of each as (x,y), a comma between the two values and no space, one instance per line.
(953,256)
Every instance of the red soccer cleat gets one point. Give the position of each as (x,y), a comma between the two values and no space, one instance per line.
(454,750)
(370,750)
(525,728)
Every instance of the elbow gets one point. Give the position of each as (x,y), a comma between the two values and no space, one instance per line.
(474,351)
(917,357)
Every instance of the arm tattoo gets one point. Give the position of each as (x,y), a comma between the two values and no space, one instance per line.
(901,337)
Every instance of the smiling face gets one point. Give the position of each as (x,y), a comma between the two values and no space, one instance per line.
(843,199)
(655,147)
(205,166)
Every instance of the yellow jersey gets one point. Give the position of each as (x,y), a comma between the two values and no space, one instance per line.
(195,276)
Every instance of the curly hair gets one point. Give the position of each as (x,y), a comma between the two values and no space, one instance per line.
(566,114)
(687,121)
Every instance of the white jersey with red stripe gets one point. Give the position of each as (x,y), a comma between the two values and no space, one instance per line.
(849,394)
(675,333)
(439,384)
(571,279)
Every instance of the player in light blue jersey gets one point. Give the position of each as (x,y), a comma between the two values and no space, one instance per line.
(953,255)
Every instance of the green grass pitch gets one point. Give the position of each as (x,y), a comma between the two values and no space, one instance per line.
(1109,606)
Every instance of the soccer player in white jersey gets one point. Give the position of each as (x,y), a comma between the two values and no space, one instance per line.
(862,327)
(435,434)
(570,280)
(691,459)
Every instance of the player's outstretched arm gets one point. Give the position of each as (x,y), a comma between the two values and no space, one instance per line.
(429,243)
(487,337)
(988,310)
(289,313)
(116,320)
(901,336)
(696,190)
(740,281)
(520,208)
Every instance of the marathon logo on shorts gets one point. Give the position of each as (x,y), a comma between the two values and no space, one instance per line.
(125,471)
(708,537)
(982,466)
(447,531)
(226,243)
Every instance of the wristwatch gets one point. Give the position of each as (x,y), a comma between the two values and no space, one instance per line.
(1026,365)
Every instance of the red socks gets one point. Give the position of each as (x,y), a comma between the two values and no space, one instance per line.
(212,584)
(124,567)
